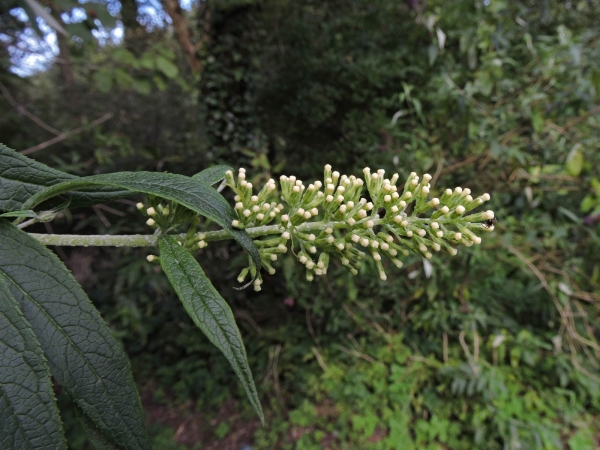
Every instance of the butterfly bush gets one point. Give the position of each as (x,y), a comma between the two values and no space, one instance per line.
(343,217)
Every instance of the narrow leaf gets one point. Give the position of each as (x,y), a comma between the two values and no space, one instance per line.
(82,354)
(209,311)
(212,175)
(28,414)
(193,195)
(21,177)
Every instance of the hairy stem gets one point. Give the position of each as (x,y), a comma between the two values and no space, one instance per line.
(151,240)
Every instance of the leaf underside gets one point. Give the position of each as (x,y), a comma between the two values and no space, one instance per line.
(82,354)
(29,417)
(22,177)
(209,311)
(198,197)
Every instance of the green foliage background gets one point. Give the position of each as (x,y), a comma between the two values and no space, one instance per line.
(495,348)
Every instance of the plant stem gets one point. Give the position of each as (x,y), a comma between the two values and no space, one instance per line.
(151,240)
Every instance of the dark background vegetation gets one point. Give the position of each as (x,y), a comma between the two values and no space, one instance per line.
(496,348)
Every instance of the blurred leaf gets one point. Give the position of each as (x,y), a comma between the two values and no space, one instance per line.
(166,67)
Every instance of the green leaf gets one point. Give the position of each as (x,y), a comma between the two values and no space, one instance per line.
(28,213)
(28,414)
(193,195)
(209,311)
(98,439)
(212,175)
(166,67)
(21,177)
(82,354)
(104,79)
(575,163)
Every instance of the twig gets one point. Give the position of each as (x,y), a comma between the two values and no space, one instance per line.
(63,136)
(21,110)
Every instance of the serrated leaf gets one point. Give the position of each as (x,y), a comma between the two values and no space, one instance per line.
(21,177)
(184,190)
(209,311)
(29,416)
(97,438)
(82,354)
(212,175)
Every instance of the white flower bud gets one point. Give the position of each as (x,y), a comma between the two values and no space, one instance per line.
(282,248)
(311,237)
(151,258)
(303,259)
(374,243)
(329,198)
(385,246)
(355,238)
(151,211)
(428,255)
(435,225)
(255,208)
(300,211)
(364,242)
(448,192)
(273,257)
(235,223)
(343,209)
(307,215)
(409,233)
(345,261)
(436,246)
(351,221)
(375,176)
(476,239)
(460,209)
(392,251)
(457,236)
(296,189)
(425,190)
(445,209)
(292,179)
(139,206)
(285,218)
(489,214)
(370,224)
(398,219)
(314,212)
(318,185)
(312,249)
(247,213)
(340,246)
(150,222)
(458,190)
(485,197)
(402,204)
(397,263)
(366,170)
(387,198)
(440,234)
(260,216)
(376,256)
(330,239)
(427,178)
(469,198)
(239,205)
(362,214)
(340,198)
(421,233)
(285,235)
(404,223)
(435,201)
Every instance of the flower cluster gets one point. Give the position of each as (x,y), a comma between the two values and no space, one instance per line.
(332,219)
